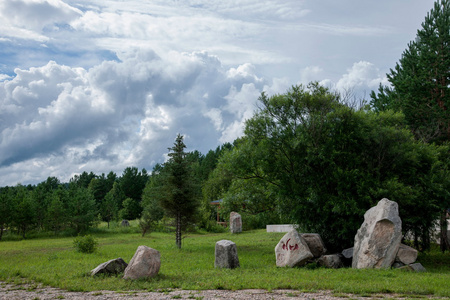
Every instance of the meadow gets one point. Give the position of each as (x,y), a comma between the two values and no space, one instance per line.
(54,262)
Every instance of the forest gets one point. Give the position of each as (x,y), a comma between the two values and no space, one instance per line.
(309,157)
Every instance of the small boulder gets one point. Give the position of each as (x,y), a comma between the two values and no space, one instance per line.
(113,266)
(235,222)
(315,244)
(378,239)
(416,267)
(406,255)
(144,264)
(125,223)
(347,256)
(397,265)
(332,261)
(226,255)
(292,250)
(348,253)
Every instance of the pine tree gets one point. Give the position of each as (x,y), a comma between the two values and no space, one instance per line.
(177,190)
(421,79)
(420,87)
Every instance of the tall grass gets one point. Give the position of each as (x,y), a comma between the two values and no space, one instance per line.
(54,262)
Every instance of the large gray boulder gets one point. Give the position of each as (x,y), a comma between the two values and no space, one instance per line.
(235,222)
(226,255)
(144,264)
(406,255)
(378,239)
(113,266)
(292,250)
(315,244)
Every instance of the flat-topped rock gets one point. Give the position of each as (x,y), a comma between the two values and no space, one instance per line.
(226,255)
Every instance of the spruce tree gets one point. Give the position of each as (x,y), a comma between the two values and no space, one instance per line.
(420,88)
(420,81)
(177,191)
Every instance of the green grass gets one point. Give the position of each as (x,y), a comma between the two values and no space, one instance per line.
(54,262)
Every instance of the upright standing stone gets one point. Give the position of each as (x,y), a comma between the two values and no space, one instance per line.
(378,239)
(226,255)
(292,250)
(235,222)
(144,264)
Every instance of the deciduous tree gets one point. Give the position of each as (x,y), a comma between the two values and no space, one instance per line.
(329,163)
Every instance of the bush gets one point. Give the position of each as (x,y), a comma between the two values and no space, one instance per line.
(85,244)
(212,226)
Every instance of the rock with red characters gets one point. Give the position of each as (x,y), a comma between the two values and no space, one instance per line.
(292,250)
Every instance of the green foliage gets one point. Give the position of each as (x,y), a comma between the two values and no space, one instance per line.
(176,189)
(132,184)
(85,244)
(100,186)
(420,88)
(130,209)
(313,161)
(256,201)
(83,180)
(109,208)
(152,211)
(421,79)
(6,209)
(57,215)
(83,211)
(24,216)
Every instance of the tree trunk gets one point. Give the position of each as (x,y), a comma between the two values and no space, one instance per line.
(1,232)
(178,230)
(444,242)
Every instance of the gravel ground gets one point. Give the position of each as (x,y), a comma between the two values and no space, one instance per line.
(12,291)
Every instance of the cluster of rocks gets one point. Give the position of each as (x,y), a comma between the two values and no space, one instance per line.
(144,264)
(377,245)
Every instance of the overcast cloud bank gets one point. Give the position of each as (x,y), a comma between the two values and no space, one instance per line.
(102,85)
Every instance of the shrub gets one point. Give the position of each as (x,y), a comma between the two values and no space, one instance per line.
(85,244)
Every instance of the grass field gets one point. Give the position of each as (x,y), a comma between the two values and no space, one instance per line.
(54,262)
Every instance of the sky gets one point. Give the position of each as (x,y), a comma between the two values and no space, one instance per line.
(101,85)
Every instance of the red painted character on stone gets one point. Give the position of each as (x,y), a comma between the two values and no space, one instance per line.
(289,247)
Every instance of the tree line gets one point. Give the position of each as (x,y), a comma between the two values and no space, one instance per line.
(88,198)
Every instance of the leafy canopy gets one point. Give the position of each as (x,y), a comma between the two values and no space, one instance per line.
(325,163)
